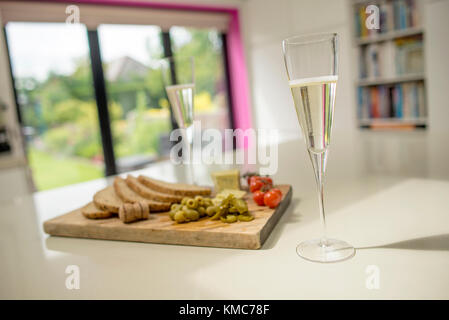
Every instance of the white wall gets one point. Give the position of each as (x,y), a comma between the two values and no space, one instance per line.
(437,63)
(437,67)
(420,153)
(268,23)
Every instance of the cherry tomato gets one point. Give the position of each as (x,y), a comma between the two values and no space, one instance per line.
(267,183)
(248,176)
(258,197)
(272,199)
(277,190)
(252,178)
(255,185)
(267,180)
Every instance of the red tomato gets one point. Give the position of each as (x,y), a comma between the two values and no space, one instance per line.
(255,185)
(267,180)
(252,178)
(267,183)
(272,198)
(258,197)
(248,176)
(277,190)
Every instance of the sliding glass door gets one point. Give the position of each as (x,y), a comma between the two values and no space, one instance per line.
(59,103)
(211,96)
(52,76)
(139,111)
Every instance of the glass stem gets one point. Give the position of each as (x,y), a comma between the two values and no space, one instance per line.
(319,166)
(188,140)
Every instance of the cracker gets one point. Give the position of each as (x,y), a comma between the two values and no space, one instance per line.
(90,211)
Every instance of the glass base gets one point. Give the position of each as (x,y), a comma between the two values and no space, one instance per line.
(331,251)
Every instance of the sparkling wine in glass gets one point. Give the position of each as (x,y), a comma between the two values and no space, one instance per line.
(311,62)
(179,81)
(181,101)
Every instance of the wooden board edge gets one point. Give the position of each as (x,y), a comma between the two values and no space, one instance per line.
(250,242)
(49,224)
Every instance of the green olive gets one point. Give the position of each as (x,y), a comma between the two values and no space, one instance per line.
(171,214)
(200,200)
(184,200)
(230,218)
(192,204)
(208,202)
(175,207)
(180,217)
(201,211)
(192,215)
(245,218)
(210,211)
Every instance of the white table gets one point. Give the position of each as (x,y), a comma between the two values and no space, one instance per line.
(399,225)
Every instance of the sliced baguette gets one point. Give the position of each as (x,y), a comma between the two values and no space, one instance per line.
(148,193)
(129,196)
(107,200)
(90,211)
(178,189)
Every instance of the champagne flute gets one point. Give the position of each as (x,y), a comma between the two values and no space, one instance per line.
(180,87)
(311,62)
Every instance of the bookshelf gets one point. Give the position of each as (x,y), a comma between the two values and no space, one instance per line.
(391,80)
(391,92)
(390,35)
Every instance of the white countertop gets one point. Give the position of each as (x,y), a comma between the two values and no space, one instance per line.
(399,224)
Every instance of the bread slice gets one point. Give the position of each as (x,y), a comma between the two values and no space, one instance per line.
(148,193)
(128,195)
(130,212)
(90,211)
(178,189)
(107,200)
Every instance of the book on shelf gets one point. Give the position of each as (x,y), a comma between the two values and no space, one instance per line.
(409,55)
(391,58)
(393,15)
(386,18)
(400,101)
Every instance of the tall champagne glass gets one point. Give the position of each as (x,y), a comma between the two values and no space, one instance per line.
(180,87)
(311,62)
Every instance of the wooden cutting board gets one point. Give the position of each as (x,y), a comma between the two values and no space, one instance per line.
(161,229)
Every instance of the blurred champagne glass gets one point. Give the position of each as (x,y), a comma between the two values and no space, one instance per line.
(180,88)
